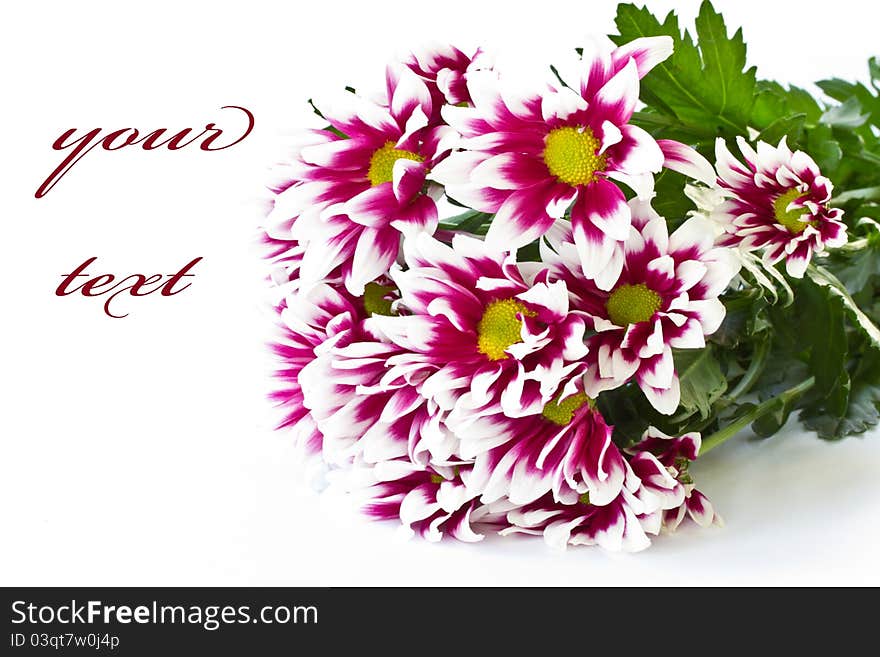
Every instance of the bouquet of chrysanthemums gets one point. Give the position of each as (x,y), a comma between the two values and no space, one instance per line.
(510,310)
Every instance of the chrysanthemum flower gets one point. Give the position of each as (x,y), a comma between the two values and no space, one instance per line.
(533,160)
(778,202)
(386,416)
(332,388)
(614,526)
(566,449)
(306,322)
(356,186)
(665,297)
(445,68)
(676,454)
(478,329)
(429,502)
(655,493)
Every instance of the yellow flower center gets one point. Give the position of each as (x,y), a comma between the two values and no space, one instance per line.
(585,499)
(500,327)
(631,304)
(561,412)
(382,163)
(437,479)
(375,299)
(571,154)
(791,219)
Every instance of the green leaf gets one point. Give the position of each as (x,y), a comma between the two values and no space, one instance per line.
(701,85)
(670,200)
(702,382)
(785,126)
(774,103)
(843,91)
(629,412)
(826,333)
(863,194)
(824,148)
(857,264)
(724,59)
(801,100)
(874,70)
(847,115)
(744,318)
(767,425)
(861,414)
(860,269)
(669,127)
(863,411)
(531,252)
(825,278)
(468,222)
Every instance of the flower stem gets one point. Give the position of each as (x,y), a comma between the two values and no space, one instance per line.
(756,367)
(780,401)
(855,245)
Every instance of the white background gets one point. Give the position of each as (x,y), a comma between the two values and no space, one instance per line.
(140,450)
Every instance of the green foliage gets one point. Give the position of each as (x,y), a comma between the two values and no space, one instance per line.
(825,333)
(703,84)
(670,200)
(863,410)
(706,90)
(702,382)
(820,356)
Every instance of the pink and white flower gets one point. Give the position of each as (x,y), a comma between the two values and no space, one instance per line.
(696,506)
(306,322)
(387,417)
(778,203)
(565,449)
(676,454)
(445,70)
(665,297)
(615,526)
(356,186)
(478,328)
(332,390)
(560,153)
(427,501)
(653,496)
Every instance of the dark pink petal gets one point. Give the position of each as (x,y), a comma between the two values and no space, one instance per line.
(510,171)
(408,179)
(602,204)
(374,254)
(523,217)
(602,467)
(637,152)
(346,154)
(700,509)
(731,172)
(599,68)
(357,117)
(459,525)
(407,92)
(797,261)
(617,98)
(373,207)
(646,51)
(687,161)
(418,216)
